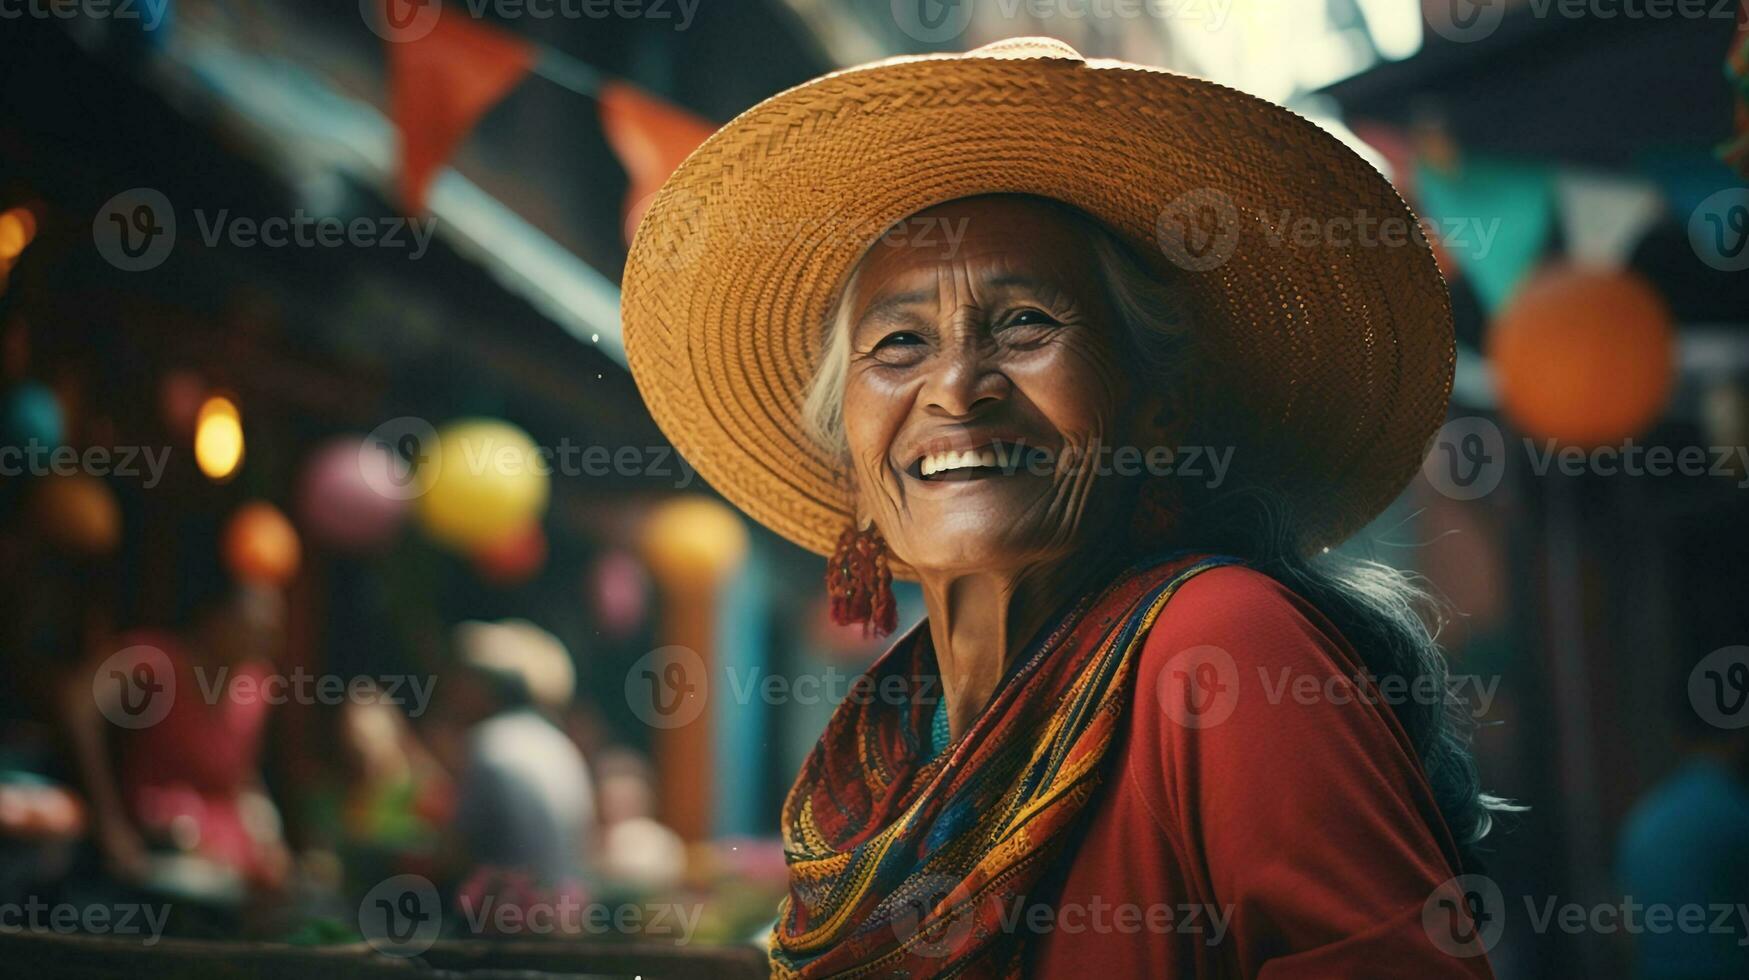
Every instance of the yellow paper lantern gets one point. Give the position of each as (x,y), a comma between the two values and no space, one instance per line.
(694,540)
(491,481)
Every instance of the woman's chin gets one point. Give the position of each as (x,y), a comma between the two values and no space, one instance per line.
(961,550)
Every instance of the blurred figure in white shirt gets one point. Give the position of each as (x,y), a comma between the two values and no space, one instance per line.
(524,798)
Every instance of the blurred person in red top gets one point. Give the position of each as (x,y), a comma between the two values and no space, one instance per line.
(167,730)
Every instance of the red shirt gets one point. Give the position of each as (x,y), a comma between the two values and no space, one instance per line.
(199,758)
(1277,833)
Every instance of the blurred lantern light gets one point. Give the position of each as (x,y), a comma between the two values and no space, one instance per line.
(337,499)
(179,399)
(491,482)
(1583,356)
(218,438)
(260,545)
(17,228)
(694,540)
(32,414)
(618,590)
(515,559)
(78,513)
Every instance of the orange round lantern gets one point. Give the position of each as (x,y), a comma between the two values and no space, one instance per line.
(260,545)
(1583,356)
(78,513)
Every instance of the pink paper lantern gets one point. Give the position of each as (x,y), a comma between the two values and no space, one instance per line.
(337,500)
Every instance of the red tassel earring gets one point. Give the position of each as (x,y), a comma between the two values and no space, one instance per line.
(860,582)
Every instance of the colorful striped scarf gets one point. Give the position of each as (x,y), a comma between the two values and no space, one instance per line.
(907,863)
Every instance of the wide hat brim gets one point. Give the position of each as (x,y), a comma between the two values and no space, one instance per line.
(1324,320)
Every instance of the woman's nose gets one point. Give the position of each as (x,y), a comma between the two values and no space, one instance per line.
(963,380)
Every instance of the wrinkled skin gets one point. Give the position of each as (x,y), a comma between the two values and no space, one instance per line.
(977,320)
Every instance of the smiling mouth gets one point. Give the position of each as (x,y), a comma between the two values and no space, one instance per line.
(994,459)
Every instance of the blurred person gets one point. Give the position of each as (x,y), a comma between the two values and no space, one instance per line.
(636,849)
(1685,842)
(41,822)
(523,800)
(389,800)
(188,783)
(929,317)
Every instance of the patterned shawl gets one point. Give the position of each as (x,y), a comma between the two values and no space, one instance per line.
(905,865)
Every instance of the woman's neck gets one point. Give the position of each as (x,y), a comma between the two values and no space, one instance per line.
(980,621)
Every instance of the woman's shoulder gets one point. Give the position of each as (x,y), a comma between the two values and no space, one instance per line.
(1240,673)
(1248,625)
(1236,601)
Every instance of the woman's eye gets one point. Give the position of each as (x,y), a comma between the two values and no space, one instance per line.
(903,338)
(1031,318)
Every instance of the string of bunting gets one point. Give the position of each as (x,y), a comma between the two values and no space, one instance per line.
(443,81)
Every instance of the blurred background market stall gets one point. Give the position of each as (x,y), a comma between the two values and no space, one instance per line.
(272,272)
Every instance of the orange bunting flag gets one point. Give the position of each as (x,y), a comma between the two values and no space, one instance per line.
(651,137)
(443,76)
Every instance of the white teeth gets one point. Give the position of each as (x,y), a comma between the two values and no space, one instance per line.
(954,460)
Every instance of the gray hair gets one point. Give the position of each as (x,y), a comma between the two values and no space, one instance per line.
(1387,615)
(1153,316)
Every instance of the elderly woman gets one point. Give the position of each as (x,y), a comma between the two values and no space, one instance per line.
(1028,329)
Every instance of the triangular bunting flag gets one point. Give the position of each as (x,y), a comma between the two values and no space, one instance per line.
(651,137)
(440,84)
(1493,217)
(1603,217)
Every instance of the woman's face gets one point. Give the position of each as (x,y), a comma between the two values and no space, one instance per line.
(985,386)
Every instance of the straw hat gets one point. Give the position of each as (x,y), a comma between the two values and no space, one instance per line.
(1324,322)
